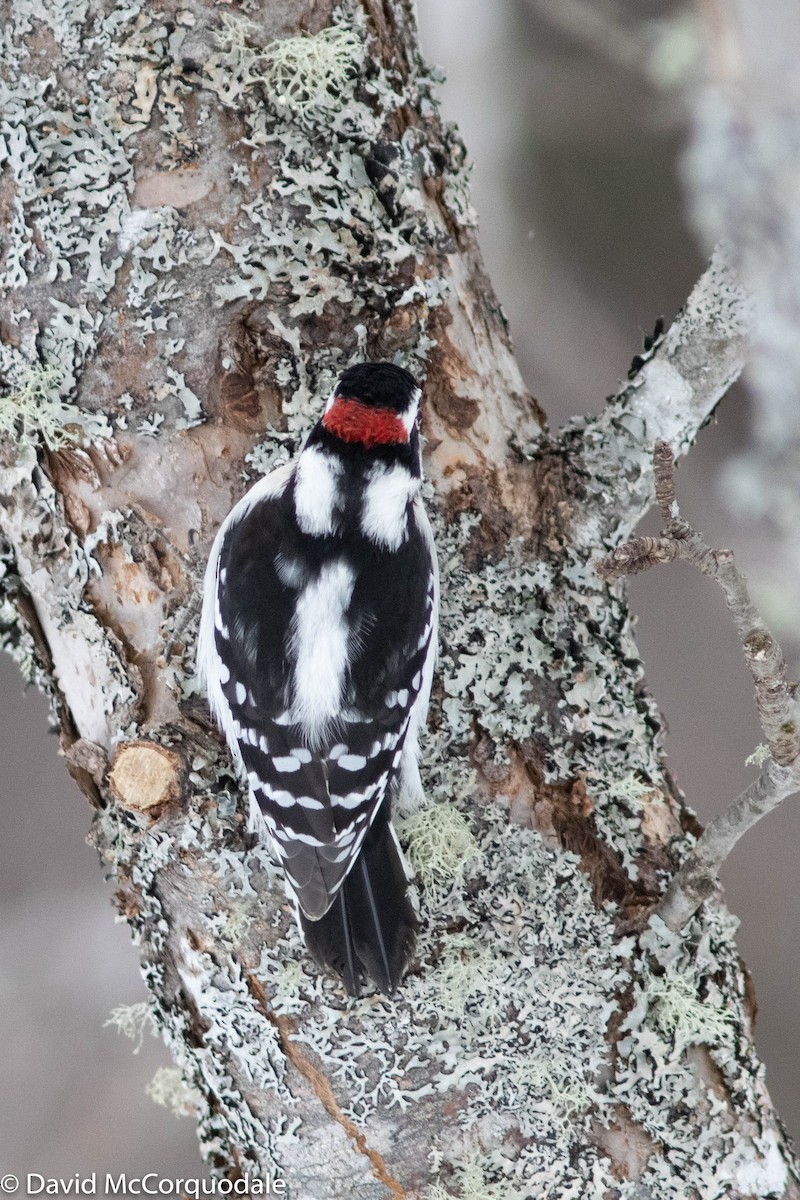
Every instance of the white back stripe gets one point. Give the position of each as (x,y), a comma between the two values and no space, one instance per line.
(319,642)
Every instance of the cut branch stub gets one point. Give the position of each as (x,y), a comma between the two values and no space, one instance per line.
(145,777)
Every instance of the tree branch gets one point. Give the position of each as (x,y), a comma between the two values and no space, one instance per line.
(697,879)
(777,707)
(677,386)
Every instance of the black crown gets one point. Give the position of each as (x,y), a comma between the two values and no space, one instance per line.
(381,384)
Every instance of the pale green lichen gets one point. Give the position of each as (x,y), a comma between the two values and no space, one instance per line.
(484,996)
(632,789)
(33,413)
(170,1090)
(219,998)
(296,73)
(470,983)
(71,217)
(505,1015)
(439,844)
(325,226)
(232,924)
(276,450)
(309,72)
(759,756)
(470,1184)
(676,1011)
(563,1086)
(618,811)
(133,1021)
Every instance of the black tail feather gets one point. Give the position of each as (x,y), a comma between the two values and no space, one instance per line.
(371,925)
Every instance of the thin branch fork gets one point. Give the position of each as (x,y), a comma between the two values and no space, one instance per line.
(777,708)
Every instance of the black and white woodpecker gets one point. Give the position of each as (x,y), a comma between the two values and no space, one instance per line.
(317,645)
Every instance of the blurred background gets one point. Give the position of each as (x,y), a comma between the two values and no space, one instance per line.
(577,183)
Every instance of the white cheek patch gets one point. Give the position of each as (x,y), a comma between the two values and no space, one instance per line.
(410,415)
(316,491)
(332,398)
(384,512)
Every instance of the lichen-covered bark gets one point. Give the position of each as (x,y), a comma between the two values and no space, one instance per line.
(199,237)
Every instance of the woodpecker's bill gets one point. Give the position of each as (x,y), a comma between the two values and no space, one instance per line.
(317,645)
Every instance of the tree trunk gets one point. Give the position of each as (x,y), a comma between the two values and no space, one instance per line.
(207,217)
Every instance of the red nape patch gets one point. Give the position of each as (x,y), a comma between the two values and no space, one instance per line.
(353,421)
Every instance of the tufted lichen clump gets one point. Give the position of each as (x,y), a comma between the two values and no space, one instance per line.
(32,411)
(169,1089)
(439,844)
(470,1182)
(133,1021)
(297,73)
(677,1012)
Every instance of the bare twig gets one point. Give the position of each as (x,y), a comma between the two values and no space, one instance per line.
(777,709)
(697,878)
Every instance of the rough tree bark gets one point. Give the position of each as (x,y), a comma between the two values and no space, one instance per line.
(207,213)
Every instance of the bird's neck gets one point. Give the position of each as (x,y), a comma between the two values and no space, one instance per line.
(343,493)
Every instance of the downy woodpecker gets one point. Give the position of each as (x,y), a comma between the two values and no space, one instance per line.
(317,644)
